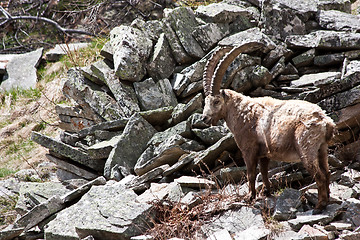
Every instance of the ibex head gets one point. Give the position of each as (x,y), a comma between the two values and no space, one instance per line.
(215,99)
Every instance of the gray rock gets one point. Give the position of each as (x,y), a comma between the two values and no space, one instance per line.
(251,78)
(153,95)
(21,71)
(339,21)
(184,111)
(32,194)
(158,117)
(153,28)
(234,221)
(192,88)
(209,155)
(115,125)
(190,200)
(89,96)
(161,64)
(183,21)
(123,93)
(137,182)
(281,18)
(278,68)
(8,234)
(232,174)
(131,50)
(342,5)
(131,144)
(75,154)
(209,34)
(182,128)
(274,55)
(77,111)
(304,59)
(65,165)
(311,79)
(89,74)
(287,203)
(341,100)
(167,152)
(98,215)
(351,215)
(60,50)
(224,13)
(101,150)
(107,51)
(327,216)
(253,233)
(331,85)
(195,182)
(352,67)
(250,35)
(212,134)
(329,59)
(177,49)
(168,95)
(179,83)
(323,39)
(162,191)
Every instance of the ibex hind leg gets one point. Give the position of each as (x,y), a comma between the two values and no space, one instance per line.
(313,160)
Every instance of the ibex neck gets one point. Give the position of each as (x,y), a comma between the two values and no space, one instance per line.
(239,110)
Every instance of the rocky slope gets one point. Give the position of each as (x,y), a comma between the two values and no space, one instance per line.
(136,120)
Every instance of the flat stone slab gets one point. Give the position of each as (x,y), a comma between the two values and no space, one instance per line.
(339,21)
(195,182)
(97,214)
(60,50)
(68,151)
(323,39)
(21,70)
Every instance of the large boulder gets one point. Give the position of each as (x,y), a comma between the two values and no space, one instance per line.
(97,214)
(131,51)
(340,21)
(130,146)
(183,21)
(21,70)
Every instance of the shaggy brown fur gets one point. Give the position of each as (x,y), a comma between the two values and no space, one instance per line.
(283,130)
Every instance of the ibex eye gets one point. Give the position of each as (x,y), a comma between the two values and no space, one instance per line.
(216,102)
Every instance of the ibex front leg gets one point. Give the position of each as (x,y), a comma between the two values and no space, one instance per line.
(251,160)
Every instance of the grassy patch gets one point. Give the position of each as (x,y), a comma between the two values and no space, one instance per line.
(15,95)
(85,56)
(5,172)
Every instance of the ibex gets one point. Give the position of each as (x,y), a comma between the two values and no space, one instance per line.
(265,128)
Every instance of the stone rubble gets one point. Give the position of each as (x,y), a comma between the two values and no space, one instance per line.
(136,120)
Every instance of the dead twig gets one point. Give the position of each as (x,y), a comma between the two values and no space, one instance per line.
(66,31)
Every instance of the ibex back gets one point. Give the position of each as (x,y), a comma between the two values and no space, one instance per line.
(266,128)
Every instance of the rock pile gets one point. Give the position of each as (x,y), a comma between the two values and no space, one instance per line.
(137,120)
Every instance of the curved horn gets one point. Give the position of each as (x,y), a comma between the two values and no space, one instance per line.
(227,60)
(210,67)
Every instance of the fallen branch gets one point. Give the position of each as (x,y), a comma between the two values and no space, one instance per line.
(66,31)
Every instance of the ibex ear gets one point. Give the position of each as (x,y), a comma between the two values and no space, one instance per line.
(223,95)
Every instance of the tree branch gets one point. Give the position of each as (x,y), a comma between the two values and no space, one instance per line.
(66,31)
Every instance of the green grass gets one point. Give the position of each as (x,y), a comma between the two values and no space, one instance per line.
(30,95)
(5,172)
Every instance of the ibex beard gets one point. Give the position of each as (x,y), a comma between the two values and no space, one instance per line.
(270,129)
